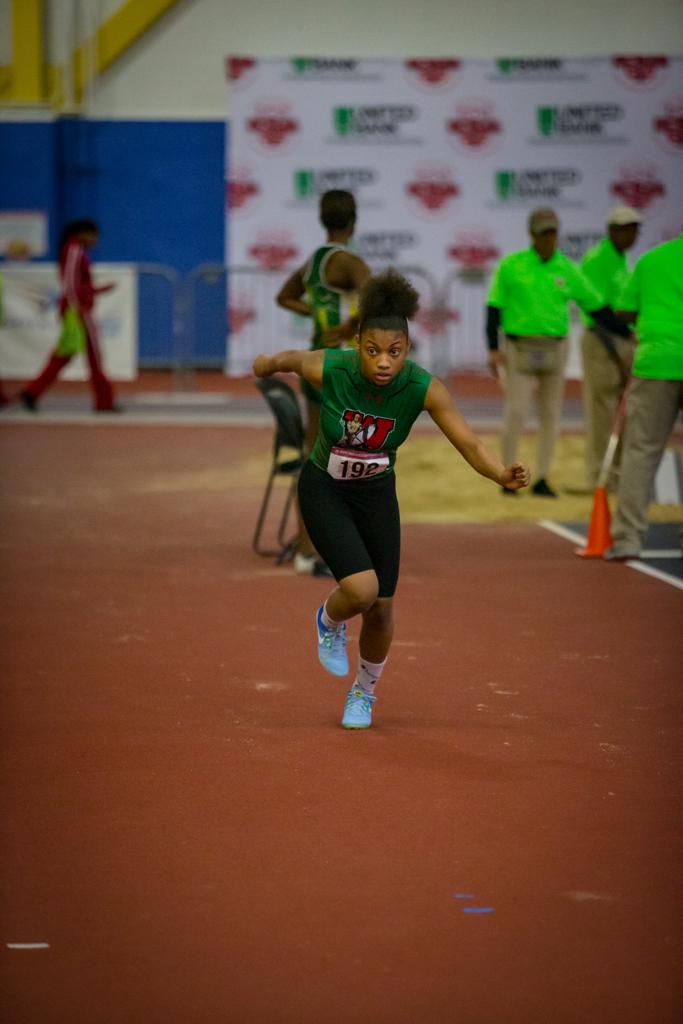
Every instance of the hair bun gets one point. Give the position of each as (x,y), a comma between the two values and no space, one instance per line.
(388,295)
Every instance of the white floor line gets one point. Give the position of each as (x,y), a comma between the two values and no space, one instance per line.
(179,398)
(28,945)
(577,538)
(657,573)
(562,531)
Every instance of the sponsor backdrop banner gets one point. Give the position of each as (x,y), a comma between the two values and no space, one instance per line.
(445,158)
(30,328)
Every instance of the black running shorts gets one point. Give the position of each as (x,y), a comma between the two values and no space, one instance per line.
(354,524)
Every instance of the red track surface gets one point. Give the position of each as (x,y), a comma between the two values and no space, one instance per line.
(198,841)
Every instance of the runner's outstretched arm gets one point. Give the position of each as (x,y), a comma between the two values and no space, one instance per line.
(452,424)
(308,365)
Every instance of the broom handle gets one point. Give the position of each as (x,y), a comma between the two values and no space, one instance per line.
(617,428)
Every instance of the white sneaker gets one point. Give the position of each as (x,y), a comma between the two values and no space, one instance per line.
(304,565)
(358,709)
(621,554)
(332,646)
(310,565)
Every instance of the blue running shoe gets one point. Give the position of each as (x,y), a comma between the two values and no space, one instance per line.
(332,646)
(358,709)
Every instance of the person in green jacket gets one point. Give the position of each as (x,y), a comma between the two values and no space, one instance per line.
(654,299)
(529,299)
(371,396)
(325,289)
(605,370)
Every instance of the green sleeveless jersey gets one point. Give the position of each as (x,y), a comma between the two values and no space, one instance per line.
(361,423)
(329,306)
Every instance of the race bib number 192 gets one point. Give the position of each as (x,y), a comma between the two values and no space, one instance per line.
(347,464)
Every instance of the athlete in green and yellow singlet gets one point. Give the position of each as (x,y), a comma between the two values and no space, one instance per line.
(326,289)
(371,396)
(329,306)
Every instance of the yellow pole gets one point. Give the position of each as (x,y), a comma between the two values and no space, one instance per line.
(117,34)
(28,78)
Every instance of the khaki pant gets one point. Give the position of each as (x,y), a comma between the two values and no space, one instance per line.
(653,406)
(602,387)
(519,388)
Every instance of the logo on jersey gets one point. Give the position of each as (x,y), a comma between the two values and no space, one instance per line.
(273,250)
(272,124)
(433,187)
(434,74)
(638,185)
(361,430)
(640,72)
(668,125)
(474,126)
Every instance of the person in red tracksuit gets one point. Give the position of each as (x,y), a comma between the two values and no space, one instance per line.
(79,291)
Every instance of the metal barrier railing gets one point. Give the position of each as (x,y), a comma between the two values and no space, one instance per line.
(464,299)
(160,316)
(237,301)
(185,320)
(244,296)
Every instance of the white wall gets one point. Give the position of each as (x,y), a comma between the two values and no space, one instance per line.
(177,70)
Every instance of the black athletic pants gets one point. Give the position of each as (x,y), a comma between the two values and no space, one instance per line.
(354,524)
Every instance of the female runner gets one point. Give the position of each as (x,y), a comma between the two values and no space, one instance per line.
(371,396)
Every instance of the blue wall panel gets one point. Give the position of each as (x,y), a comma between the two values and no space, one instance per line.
(28,170)
(156,189)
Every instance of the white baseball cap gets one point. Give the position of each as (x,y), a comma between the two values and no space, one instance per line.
(619,216)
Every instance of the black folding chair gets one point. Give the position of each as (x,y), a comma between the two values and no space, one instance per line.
(289,433)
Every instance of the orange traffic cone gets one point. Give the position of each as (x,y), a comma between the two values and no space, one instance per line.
(599,535)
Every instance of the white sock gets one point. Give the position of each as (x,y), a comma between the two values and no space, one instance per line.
(368,674)
(328,623)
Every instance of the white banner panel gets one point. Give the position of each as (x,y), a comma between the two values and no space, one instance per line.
(23,231)
(30,328)
(446,158)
